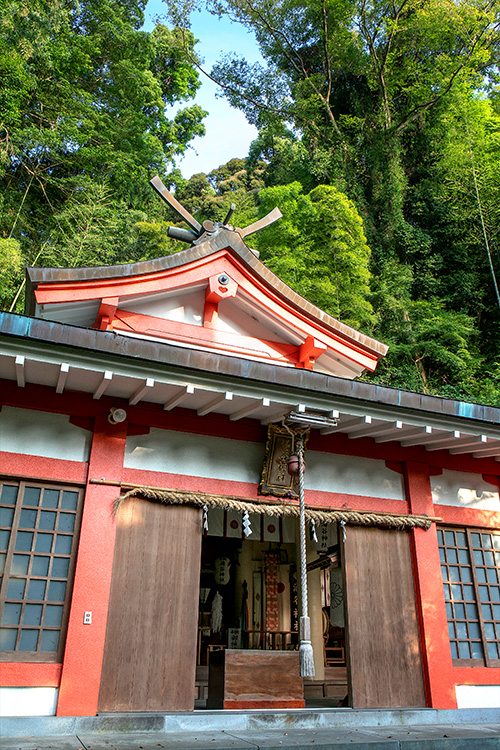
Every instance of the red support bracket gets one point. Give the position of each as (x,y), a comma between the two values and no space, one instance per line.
(106,313)
(309,352)
(220,286)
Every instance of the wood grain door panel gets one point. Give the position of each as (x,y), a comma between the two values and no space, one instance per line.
(384,648)
(150,651)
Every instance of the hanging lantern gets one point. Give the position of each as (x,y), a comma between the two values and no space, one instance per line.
(222,566)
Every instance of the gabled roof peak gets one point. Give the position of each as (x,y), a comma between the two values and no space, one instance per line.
(262,317)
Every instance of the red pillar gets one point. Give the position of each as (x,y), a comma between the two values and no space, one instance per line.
(436,653)
(81,673)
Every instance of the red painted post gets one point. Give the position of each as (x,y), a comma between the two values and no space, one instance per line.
(435,645)
(81,674)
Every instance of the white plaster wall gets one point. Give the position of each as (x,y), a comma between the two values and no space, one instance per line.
(28,701)
(478,696)
(233,318)
(40,433)
(195,455)
(183,307)
(236,460)
(464,490)
(352,476)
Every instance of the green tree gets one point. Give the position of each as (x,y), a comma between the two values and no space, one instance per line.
(320,249)
(10,270)
(354,78)
(453,208)
(431,349)
(209,196)
(84,123)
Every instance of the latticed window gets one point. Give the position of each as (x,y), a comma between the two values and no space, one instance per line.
(38,538)
(470,566)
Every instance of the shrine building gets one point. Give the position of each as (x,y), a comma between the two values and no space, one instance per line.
(150,535)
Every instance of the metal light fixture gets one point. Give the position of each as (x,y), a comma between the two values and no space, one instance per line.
(117,415)
(309,419)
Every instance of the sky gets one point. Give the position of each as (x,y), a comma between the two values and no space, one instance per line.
(228,134)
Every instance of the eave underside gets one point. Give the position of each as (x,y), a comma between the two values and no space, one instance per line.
(68,358)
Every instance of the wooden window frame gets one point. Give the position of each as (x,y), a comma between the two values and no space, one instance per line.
(22,484)
(478,587)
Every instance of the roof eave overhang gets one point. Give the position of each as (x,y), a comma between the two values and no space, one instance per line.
(204,381)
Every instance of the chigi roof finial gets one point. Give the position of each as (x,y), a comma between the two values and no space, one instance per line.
(201,232)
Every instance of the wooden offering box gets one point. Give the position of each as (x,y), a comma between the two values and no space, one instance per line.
(239,678)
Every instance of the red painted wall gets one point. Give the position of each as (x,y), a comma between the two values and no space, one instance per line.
(81,674)
(30,675)
(476,675)
(435,645)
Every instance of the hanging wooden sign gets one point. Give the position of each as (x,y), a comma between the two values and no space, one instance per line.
(276,479)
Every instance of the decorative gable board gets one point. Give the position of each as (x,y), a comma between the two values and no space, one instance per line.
(216,296)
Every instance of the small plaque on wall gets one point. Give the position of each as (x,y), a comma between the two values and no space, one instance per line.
(234,637)
(275,479)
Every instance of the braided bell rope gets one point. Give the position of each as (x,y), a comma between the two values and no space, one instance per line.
(302,531)
(277,510)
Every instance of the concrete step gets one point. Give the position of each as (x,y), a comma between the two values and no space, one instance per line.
(244,721)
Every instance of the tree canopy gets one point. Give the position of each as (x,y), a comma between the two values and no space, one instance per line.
(84,124)
(378,138)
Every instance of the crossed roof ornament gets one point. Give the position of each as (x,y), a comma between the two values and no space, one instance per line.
(200,232)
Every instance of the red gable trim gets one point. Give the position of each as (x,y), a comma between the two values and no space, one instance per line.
(203,336)
(127,286)
(200,271)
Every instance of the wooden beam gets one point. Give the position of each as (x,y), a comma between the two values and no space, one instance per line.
(141,391)
(425,438)
(349,425)
(459,442)
(250,408)
(106,313)
(414,432)
(63,376)
(484,450)
(216,402)
(271,217)
(106,380)
(419,438)
(174,203)
(179,397)
(309,352)
(278,415)
(20,374)
(375,430)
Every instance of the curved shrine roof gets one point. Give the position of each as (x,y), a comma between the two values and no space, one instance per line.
(180,298)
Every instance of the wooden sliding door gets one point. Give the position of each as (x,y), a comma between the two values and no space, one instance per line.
(385,664)
(150,651)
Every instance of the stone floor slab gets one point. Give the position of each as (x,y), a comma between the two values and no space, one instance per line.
(165,741)
(423,737)
(57,742)
(323,739)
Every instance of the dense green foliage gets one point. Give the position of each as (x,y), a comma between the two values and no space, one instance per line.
(319,247)
(396,107)
(83,125)
(379,140)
